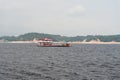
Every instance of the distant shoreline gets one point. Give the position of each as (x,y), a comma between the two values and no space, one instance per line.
(77,42)
(95,42)
(87,39)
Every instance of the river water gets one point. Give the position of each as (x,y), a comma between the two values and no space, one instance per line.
(79,62)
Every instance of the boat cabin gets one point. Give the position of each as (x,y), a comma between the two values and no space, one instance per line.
(46,42)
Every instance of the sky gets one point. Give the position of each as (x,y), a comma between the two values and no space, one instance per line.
(63,17)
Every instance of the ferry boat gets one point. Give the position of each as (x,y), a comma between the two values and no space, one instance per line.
(46,42)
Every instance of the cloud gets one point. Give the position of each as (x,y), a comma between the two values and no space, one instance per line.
(76,10)
(66,17)
(11,4)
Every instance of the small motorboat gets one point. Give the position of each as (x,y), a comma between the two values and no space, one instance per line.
(46,42)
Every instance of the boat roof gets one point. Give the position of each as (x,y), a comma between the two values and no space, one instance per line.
(45,39)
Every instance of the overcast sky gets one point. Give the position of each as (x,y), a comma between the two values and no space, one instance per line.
(64,17)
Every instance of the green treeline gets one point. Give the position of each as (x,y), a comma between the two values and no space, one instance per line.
(31,36)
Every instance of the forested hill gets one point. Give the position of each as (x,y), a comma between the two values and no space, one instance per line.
(31,36)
